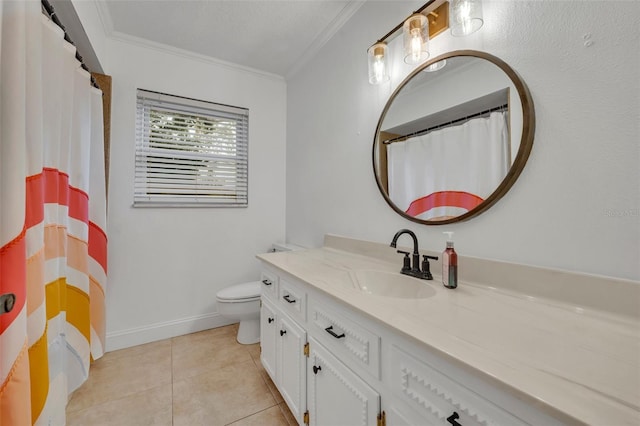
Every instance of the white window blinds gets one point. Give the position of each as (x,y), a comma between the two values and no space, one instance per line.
(190,153)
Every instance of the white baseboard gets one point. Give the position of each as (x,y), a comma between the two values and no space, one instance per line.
(163,330)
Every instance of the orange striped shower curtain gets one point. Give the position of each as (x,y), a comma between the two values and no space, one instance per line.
(53,243)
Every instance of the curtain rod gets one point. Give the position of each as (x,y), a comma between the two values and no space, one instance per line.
(47,9)
(439,126)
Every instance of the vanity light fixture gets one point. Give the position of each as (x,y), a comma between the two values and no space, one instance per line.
(426,22)
(378,63)
(465,17)
(416,38)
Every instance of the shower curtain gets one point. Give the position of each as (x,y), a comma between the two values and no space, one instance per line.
(450,171)
(53,244)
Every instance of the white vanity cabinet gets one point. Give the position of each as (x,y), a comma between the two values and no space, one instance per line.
(291,377)
(318,388)
(283,341)
(335,395)
(335,365)
(424,393)
(268,337)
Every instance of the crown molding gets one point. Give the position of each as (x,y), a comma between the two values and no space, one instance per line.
(188,54)
(338,22)
(105,16)
(318,43)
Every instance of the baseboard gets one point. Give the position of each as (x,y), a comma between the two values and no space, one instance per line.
(163,330)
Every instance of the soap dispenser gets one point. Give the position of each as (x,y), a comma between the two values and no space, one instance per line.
(449,264)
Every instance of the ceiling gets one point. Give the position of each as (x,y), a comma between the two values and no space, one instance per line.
(273,36)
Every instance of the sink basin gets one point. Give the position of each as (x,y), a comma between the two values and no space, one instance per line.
(388,284)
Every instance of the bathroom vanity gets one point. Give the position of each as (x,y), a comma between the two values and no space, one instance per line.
(349,340)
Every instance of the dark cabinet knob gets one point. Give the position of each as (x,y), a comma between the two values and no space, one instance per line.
(266,282)
(270,320)
(316,369)
(283,332)
(288,298)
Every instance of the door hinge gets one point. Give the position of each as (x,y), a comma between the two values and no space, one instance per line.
(382,419)
(306,349)
(305,417)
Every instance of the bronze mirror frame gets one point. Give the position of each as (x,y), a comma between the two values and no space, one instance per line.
(524,149)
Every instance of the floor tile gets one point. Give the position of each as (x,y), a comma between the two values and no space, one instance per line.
(151,407)
(221,396)
(205,378)
(254,350)
(161,345)
(267,379)
(286,412)
(122,373)
(204,352)
(270,417)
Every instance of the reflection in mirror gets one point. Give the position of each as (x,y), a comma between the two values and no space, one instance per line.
(453,138)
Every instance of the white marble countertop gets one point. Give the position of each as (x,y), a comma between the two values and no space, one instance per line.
(577,363)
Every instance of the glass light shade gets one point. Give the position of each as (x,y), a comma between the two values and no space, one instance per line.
(465,16)
(436,66)
(416,38)
(378,63)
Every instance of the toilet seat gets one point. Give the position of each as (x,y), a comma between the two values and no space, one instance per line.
(246,292)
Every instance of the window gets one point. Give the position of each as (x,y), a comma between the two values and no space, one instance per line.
(190,153)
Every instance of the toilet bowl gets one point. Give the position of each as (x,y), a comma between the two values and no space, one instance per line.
(241,302)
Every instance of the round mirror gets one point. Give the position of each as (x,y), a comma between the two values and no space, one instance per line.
(453,138)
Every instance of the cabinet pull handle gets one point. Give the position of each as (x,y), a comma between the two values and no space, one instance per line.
(266,282)
(333,333)
(288,298)
(316,369)
(270,320)
(452,419)
(283,332)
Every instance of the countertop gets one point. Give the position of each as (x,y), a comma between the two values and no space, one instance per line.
(580,364)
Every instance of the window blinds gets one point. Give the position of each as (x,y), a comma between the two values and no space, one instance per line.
(190,153)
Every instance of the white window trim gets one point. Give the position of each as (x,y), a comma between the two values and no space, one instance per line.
(189,172)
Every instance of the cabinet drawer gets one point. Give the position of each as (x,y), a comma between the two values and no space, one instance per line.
(346,338)
(269,284)
(293,300)
(437,397)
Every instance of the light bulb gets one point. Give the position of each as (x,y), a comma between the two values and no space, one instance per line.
(378,72)
(416,45)
(378,67)
(416,37)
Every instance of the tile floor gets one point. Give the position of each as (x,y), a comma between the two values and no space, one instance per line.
(204,378)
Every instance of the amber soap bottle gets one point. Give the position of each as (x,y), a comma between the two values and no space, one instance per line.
(449,264)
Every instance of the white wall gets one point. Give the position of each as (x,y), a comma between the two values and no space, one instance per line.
(166,264)
(576,205)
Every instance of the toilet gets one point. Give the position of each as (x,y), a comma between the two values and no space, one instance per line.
(241,302)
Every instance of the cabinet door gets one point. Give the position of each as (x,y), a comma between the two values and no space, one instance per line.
(268,338)
(291,371)
(337,396)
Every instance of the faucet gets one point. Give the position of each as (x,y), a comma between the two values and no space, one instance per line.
(413,270)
